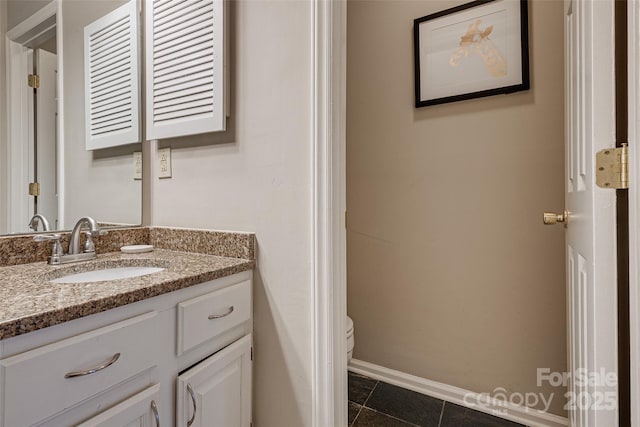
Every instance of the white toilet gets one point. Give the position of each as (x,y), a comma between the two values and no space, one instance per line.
(350,339)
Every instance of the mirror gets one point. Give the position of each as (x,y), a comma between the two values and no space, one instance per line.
(50,173)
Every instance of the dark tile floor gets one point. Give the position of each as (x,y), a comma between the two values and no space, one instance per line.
(376,403)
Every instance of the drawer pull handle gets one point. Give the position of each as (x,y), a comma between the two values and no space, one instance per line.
(106,364)
(154,409)
(193,400)
(218,316)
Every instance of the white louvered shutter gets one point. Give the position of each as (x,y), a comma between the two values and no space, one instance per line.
(111,74)
(185,67)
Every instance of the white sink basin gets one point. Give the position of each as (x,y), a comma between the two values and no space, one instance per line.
(107,274)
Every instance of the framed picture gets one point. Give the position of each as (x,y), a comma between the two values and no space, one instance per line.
(470,51)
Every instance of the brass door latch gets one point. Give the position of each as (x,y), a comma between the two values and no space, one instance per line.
(550,218)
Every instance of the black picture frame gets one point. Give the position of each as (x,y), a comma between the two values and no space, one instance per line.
(426,95)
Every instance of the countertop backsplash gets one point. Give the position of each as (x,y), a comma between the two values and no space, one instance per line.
(22,249)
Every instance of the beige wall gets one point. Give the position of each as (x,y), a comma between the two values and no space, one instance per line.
(257,177)
(451,274)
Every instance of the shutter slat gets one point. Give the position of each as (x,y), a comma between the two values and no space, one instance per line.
(97,94)
(113,129)
(206,110)
(168,33)
(103,35)
(109,106)
(109,82)
(116,116)
(186,11)
(186,44)
(119,42)
(174,93)
(163,4)
(183,106)
(176,57)
(171,9)
(185,64)
(122,32)
(190,33)
(196,85)
(108,58)
(184,99)
(207,72)
(114,70)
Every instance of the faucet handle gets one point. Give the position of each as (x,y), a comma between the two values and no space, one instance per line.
(46,237)
(96,233)
(56,249)
(89,246)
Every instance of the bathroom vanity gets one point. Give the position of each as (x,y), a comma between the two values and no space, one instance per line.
(169,348)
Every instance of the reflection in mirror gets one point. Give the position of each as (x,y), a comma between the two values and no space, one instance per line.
(50,178)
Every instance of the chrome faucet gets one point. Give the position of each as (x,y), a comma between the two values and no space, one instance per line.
(94,231)
(89,252)
(33,222)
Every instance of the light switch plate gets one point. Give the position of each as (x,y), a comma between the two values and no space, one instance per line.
(164,162)
(137,165)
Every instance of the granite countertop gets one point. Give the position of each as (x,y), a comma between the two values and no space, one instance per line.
(28,301)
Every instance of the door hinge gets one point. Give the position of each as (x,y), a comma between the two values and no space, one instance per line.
(612,168)
(34,188)
(34,81)
(251,353)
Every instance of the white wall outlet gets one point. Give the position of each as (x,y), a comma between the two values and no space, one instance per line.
(164,162)
(137,165)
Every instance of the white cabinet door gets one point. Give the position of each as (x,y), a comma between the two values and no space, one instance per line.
(186,67)
(217,391)
(111,70)
(137,411)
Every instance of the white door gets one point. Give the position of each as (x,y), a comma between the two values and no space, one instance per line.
(139,410)
(18,116)
(217,391)
(590,238)
(45,147)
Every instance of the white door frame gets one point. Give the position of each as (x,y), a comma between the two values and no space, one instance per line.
(329,386)
(329,202)
(633,56)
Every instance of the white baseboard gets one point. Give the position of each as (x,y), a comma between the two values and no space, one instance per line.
(459,396)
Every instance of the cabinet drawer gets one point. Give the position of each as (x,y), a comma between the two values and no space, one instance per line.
(205,317)
(46,380)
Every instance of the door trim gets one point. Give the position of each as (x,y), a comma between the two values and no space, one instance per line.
(329,365)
